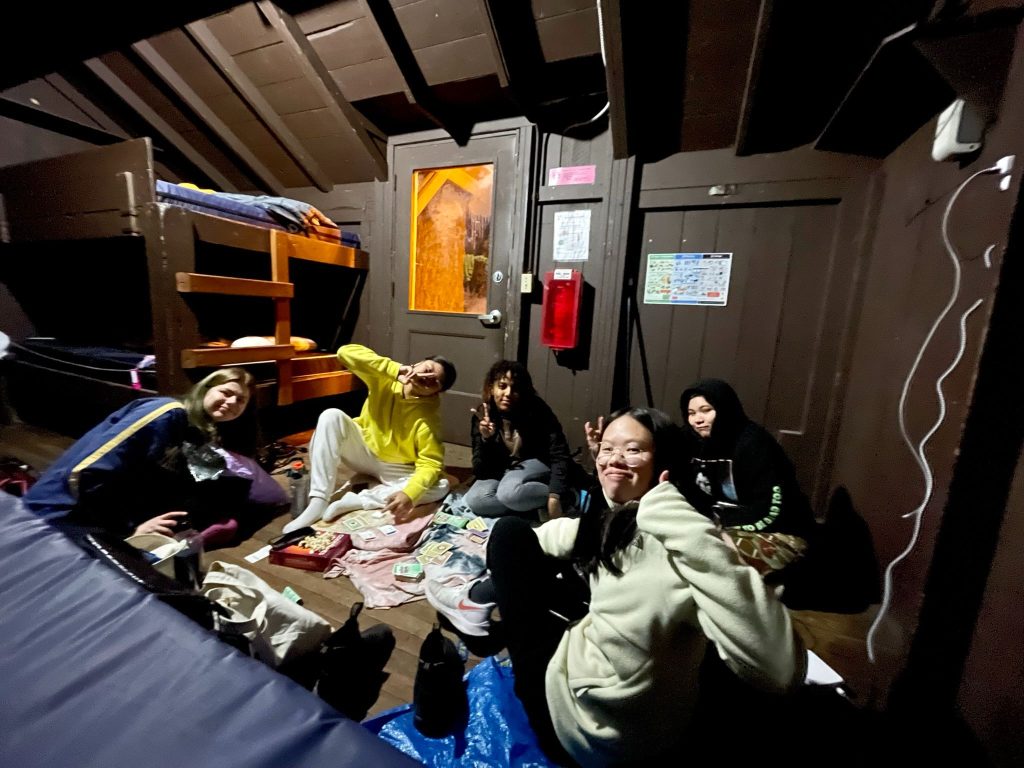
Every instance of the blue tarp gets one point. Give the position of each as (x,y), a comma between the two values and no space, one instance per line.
(497,735)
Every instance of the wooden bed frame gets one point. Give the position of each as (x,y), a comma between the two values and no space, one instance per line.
(109,192)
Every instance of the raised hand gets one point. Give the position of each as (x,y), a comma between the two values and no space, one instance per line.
(593,435)
(486,426)
(165,523)
(404,374)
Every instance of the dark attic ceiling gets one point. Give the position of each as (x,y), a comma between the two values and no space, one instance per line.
(265,96)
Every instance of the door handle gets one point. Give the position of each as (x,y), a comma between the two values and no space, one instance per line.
(492,319)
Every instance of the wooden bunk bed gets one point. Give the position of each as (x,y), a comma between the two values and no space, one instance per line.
(95,218)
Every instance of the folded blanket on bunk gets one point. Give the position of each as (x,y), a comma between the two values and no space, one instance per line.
(290,213)
(270,212)
(295,215)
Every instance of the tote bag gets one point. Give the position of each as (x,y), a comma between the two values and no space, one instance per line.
(278,629)
(162,550)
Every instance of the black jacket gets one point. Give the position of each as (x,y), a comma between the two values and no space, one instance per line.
(742,465)
(542,439)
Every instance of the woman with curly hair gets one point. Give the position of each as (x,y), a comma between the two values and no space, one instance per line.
(520,455)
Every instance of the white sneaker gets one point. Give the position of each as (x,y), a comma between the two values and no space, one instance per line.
(453,602)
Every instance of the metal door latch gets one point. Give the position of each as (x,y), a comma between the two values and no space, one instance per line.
(492,319)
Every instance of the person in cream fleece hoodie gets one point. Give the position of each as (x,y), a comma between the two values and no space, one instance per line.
(620,683)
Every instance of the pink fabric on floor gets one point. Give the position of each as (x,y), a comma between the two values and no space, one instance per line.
(368,564)
(371,574)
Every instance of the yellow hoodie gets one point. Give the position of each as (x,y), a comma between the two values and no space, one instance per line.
(397,429)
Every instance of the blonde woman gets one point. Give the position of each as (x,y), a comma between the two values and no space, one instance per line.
(130,473)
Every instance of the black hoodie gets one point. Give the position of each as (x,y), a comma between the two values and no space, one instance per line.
(742,465)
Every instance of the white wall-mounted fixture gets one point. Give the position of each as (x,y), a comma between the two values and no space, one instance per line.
(957,132)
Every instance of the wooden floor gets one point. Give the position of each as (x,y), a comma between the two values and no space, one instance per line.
(837,638)
(330,598)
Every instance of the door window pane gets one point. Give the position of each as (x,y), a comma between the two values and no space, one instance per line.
(450,239)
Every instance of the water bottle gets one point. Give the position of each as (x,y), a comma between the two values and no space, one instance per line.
(298,485)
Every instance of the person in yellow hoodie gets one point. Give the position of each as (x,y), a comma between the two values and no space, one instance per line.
(396,439)
(613,679)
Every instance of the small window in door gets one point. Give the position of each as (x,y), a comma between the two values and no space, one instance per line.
(450,239)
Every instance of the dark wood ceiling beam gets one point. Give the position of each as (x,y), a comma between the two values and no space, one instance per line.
(806,58)
(220,129)
(743,132)
(383,15)
(41,118)
(491,30)
(323,81)
(149,116)
(73,32)
(84,104)
(225,63)
(615,77)
(518,52)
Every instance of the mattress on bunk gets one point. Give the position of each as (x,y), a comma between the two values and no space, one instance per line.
(236,210)
(93,361)
(101,673)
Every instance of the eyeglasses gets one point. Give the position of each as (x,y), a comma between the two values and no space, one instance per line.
(631,456)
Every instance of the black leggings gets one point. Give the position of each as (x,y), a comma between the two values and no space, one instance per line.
(538,597)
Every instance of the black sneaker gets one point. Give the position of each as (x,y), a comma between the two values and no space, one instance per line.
(439,699)
(352,666)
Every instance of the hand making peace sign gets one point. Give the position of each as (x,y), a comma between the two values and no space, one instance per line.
(486,425)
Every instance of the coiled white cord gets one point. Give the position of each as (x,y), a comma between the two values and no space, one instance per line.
(918,451)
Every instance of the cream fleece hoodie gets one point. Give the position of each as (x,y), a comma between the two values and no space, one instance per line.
(623,681)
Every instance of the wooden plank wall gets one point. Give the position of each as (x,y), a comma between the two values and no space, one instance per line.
(353,208)
(926,640)
(578,385)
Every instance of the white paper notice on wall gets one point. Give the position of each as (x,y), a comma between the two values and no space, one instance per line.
(688,278)
(572,235)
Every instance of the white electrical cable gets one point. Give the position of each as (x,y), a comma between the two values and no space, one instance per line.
(918,451)
(604,60)
(988,256)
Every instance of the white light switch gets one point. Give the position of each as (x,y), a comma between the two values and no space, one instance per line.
(526,283)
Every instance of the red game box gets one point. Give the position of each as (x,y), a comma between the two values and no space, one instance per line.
(318,559)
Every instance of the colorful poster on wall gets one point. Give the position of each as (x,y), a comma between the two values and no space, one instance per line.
(572,235)
(688,278)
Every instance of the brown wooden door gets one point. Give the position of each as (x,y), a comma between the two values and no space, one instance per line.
(456,213)
(770,341)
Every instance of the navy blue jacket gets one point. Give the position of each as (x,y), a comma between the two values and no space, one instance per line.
(122,472)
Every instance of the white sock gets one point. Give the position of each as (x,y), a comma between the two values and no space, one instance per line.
(310,515)
(347,503)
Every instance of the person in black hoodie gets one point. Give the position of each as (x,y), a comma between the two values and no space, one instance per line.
(521,458)
(740,474)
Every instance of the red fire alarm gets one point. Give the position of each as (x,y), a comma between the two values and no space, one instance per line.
(560,316)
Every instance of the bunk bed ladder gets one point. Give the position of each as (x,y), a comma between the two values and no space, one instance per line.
(282,316)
